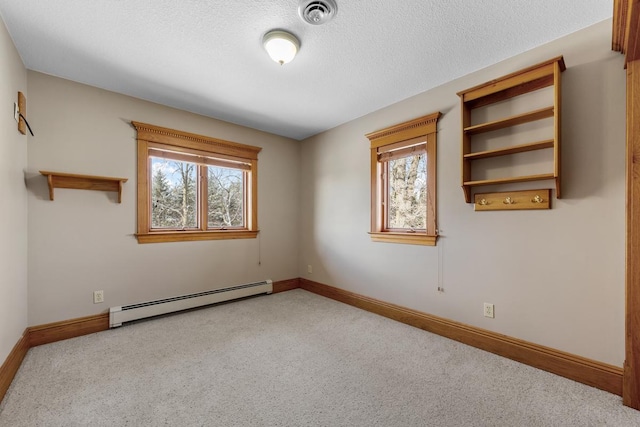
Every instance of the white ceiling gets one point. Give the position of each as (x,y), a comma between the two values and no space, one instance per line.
(206,56)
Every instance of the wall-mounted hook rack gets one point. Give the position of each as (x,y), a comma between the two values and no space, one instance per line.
(513,200)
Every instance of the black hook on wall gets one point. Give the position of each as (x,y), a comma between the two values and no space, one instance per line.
(19,108)
(27,123)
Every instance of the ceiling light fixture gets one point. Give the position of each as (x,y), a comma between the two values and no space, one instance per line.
(281,46)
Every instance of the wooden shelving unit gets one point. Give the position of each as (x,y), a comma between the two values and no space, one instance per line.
(519,83)
(83,182)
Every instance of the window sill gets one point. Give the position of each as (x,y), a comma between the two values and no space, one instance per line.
(405,238)
(187,236)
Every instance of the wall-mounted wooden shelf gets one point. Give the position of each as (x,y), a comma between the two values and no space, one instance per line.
(509,180)
(510,121)
(511,150)
(503,89)
(83,182)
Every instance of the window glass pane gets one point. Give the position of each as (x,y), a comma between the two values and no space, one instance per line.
(407,198)
(226,198)
(173,194)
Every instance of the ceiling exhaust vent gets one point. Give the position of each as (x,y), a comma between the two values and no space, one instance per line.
(317,12)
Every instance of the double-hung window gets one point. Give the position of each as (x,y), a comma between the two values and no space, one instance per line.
(193,187)
(403,182)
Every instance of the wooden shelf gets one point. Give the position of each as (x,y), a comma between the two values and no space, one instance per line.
(509,180)
(528,80)
(510,150)
(531,116)
(514,84)
(83,182)
(512,92)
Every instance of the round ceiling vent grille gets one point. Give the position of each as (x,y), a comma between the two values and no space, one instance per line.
(317,12)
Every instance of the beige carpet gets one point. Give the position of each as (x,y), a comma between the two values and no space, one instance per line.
(290,359)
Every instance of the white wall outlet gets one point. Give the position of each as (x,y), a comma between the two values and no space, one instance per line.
(16,112)
(309,269)
(488,310)
(98,297)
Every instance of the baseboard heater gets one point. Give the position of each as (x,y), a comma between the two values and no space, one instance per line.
(127,313)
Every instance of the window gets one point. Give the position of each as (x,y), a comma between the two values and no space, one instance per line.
(193,187)
(403,182)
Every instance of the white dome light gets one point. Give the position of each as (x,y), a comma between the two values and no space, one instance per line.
(281,46)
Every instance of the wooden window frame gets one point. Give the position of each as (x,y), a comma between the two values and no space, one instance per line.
(152,139)
(401,137)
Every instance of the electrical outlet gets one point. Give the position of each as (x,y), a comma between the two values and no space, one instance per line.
(488,310)
(309,269)
(16,112)
(98,297)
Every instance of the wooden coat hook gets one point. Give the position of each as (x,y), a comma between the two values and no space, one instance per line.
(513,200)
(22,111)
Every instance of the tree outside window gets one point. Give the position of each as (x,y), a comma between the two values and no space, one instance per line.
(192,187)
(407,207)
(403,182)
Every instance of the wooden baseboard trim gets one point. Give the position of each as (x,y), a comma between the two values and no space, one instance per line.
(11,365)
(58,331)
(590,372)
(286,285)
(593,373)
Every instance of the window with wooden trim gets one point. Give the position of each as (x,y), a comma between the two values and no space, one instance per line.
(403,182)
(193,187)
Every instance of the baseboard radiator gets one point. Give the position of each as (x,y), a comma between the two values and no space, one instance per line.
(127,313)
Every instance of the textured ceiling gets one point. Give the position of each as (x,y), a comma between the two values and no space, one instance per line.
(206,56)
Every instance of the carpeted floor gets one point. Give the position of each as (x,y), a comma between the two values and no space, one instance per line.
(290,359)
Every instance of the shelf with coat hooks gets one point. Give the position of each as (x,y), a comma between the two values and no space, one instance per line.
(505,91)
(83,182)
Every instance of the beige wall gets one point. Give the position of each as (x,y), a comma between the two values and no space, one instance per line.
(13,214)
(83,241)
(556,277)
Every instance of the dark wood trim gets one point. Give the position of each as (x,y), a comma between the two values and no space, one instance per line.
(631,387)
(58,331)
(590,372)
(626,39)
(11,365)
(620,8)
(632,31)
(626,29)
(286,285)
